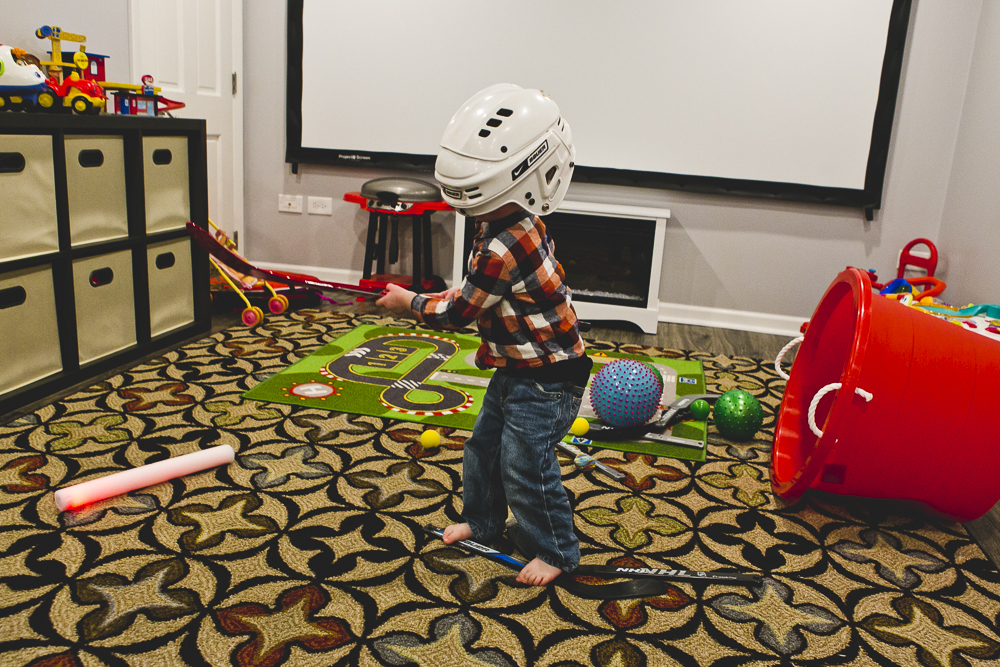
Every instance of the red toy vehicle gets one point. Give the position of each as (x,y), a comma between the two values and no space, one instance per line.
(81,95)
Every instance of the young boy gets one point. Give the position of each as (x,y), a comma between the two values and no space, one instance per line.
(507,157)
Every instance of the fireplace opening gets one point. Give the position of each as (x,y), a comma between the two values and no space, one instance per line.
(612,255)
(607,259)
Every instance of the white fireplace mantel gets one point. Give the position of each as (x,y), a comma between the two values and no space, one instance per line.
(645,316)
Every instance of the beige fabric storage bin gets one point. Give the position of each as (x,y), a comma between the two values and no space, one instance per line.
(105,304)
(95,180)
(171,285)
(167,184)
(28,224)
(29,332)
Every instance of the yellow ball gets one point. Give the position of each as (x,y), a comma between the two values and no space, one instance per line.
(430,438)
(580,427)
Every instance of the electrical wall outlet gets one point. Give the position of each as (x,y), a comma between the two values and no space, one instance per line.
(290,203)
(321,205)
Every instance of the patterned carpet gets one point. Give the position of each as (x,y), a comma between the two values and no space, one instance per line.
(308,550)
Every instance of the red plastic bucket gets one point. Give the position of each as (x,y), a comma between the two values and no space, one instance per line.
(931,431)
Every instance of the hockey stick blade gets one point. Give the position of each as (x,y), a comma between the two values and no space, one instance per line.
(611,572)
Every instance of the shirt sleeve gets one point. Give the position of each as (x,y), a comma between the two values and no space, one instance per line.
(485,285)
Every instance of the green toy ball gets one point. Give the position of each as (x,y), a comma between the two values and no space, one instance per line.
(700,409)
(656,372)
(738,415)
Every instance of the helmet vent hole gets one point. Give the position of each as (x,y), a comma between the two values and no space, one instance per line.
(506,113)
(531,202)
(503,149)
(475,196)
(494,122)
(527,196)
(550,174)
(484,133)
(473,189)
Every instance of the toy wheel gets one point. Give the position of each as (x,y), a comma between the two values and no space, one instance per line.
(252,316)
(46,100)
(4,104)
(278,304)
(81,105)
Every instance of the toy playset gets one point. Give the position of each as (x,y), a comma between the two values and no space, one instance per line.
(30,84)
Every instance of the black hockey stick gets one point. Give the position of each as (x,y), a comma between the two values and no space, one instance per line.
(645,582)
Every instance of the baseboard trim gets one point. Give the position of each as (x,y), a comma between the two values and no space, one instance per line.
(345,276)
(679,313)
(724,318)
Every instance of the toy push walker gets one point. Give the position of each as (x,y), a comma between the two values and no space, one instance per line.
(234,268)
(885,401)
(252,315)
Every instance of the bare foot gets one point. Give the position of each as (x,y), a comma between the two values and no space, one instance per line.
(456,532)
(538,573)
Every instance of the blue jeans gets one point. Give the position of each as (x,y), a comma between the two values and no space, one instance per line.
(510,461)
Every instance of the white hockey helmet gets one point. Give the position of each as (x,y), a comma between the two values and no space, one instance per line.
(506,144)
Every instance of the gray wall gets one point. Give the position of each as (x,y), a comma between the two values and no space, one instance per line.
(733,253)
(103,22)
(970,225)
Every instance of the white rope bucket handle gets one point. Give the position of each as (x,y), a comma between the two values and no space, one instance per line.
(784,351)
(867,395)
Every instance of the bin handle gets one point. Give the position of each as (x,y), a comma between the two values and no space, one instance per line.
(867,395)
(784,351)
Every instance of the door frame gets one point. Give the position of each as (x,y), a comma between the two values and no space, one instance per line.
(237,99)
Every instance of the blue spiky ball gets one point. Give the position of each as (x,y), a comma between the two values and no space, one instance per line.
(625,393)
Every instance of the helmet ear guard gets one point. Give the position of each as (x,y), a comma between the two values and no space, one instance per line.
(506,145)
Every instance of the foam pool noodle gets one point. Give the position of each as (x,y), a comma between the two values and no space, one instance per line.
(85,493)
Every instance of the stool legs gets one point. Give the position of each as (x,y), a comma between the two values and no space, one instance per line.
(370,248)
(417,285)
(425,226)
(394,240)
(383,229)
(377,243)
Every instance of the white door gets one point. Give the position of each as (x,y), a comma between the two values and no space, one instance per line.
(194,51)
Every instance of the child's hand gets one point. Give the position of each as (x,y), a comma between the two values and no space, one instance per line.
(446,295)
(397,299)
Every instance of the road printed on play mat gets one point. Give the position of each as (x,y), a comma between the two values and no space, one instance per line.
(389,352)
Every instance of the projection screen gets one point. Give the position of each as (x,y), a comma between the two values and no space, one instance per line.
(779,98)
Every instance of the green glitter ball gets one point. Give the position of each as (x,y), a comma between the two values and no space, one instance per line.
(656,372)
(738,415)
(700,409)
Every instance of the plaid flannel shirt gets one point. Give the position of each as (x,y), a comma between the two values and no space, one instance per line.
(516,294)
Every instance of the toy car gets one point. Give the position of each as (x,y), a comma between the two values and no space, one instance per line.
(81,95)
(21,82)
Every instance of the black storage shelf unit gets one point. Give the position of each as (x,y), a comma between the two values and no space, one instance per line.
(96,267)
